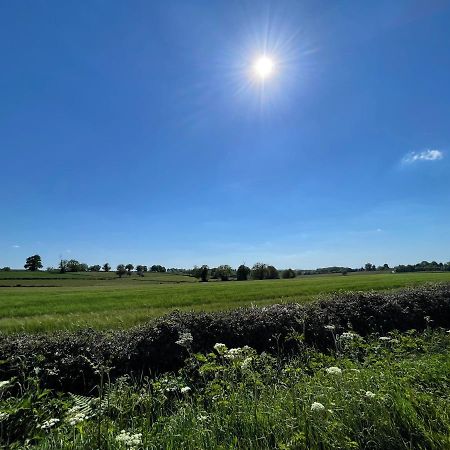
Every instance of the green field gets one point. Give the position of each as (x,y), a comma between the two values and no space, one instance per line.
(43,301)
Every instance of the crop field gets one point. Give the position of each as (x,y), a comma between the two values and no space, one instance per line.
(41,301)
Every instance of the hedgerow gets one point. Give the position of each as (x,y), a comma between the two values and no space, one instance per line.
(76,361)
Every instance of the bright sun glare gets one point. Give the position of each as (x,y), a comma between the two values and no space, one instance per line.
(263,67)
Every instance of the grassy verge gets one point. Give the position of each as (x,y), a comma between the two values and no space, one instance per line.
(379,393)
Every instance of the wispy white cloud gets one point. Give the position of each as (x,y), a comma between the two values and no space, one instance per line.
(15,246)
(426,155)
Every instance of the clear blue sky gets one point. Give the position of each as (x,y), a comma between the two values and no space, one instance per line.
(135,132)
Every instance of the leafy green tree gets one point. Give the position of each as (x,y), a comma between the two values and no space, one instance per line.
(121,270)
(106,267)
(33,263)
(140,269)
(95,268)
(272,273)
(62,266)
(259,271)
(243,272)
(129,268)
(288,273)
(224,272)
(6,269)
(201,272)
(157,268)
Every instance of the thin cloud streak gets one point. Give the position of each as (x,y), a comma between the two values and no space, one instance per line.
(426,155)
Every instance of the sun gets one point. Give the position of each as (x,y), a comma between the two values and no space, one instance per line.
(263,67)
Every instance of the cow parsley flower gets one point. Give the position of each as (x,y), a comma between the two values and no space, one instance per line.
(370,394)
(246,364)
(185,339)
(48,424)
(317,407)
(220,348)
(77,418)
(334,370)
(130,441)
(385,338)
(330,327)
(185,390)
(348,335)
(3,416)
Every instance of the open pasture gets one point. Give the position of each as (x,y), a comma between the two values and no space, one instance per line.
(100,300)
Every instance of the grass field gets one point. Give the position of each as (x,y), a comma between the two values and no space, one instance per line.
(45,301)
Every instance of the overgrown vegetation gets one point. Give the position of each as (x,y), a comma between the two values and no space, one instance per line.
(71,361)
(380,392)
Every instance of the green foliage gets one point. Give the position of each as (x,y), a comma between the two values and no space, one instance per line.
(288,273)
(33,263)
(157,268)
(370,393)
(155,347)
(243,272)
(224,272)
(121,270)
(106,267)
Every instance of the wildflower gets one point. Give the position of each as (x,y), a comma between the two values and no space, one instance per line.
(77,418)
(3,416)
(185,390)
(220,348)
(317,407)
(334,370)
(202,417)
(330,327)
(129,440)
(48,424)
(385,338)
(348,335)
(234,353)
(246,363)
(3,384)
(370,394)
(185,339)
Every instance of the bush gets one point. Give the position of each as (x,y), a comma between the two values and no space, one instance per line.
(74,361)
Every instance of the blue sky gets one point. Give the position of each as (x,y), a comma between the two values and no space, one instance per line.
(136,132)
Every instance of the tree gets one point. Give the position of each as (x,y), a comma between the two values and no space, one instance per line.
(288,273)
(259,271)
(106,267)
(369,267)
(62,266)
(121,270)
(140,270)
(272,273)
(157,268)
(33,263)
(201,272)
(224,272)
(243,272)
(95,268)
(129,268)
(6,269)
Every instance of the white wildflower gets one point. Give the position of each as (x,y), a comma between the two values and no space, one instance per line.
(77,418)
(246,363)
(334,370)
(370,394)
(130,441)
(202,417)
(385,338)
(185,390)
(348,335)
(330,327)
(48,424)
(4,384)
(234,353)
(3,416)
(220,348)
(185,339)
(316,406)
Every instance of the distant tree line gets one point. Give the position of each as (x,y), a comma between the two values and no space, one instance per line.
(259,271)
